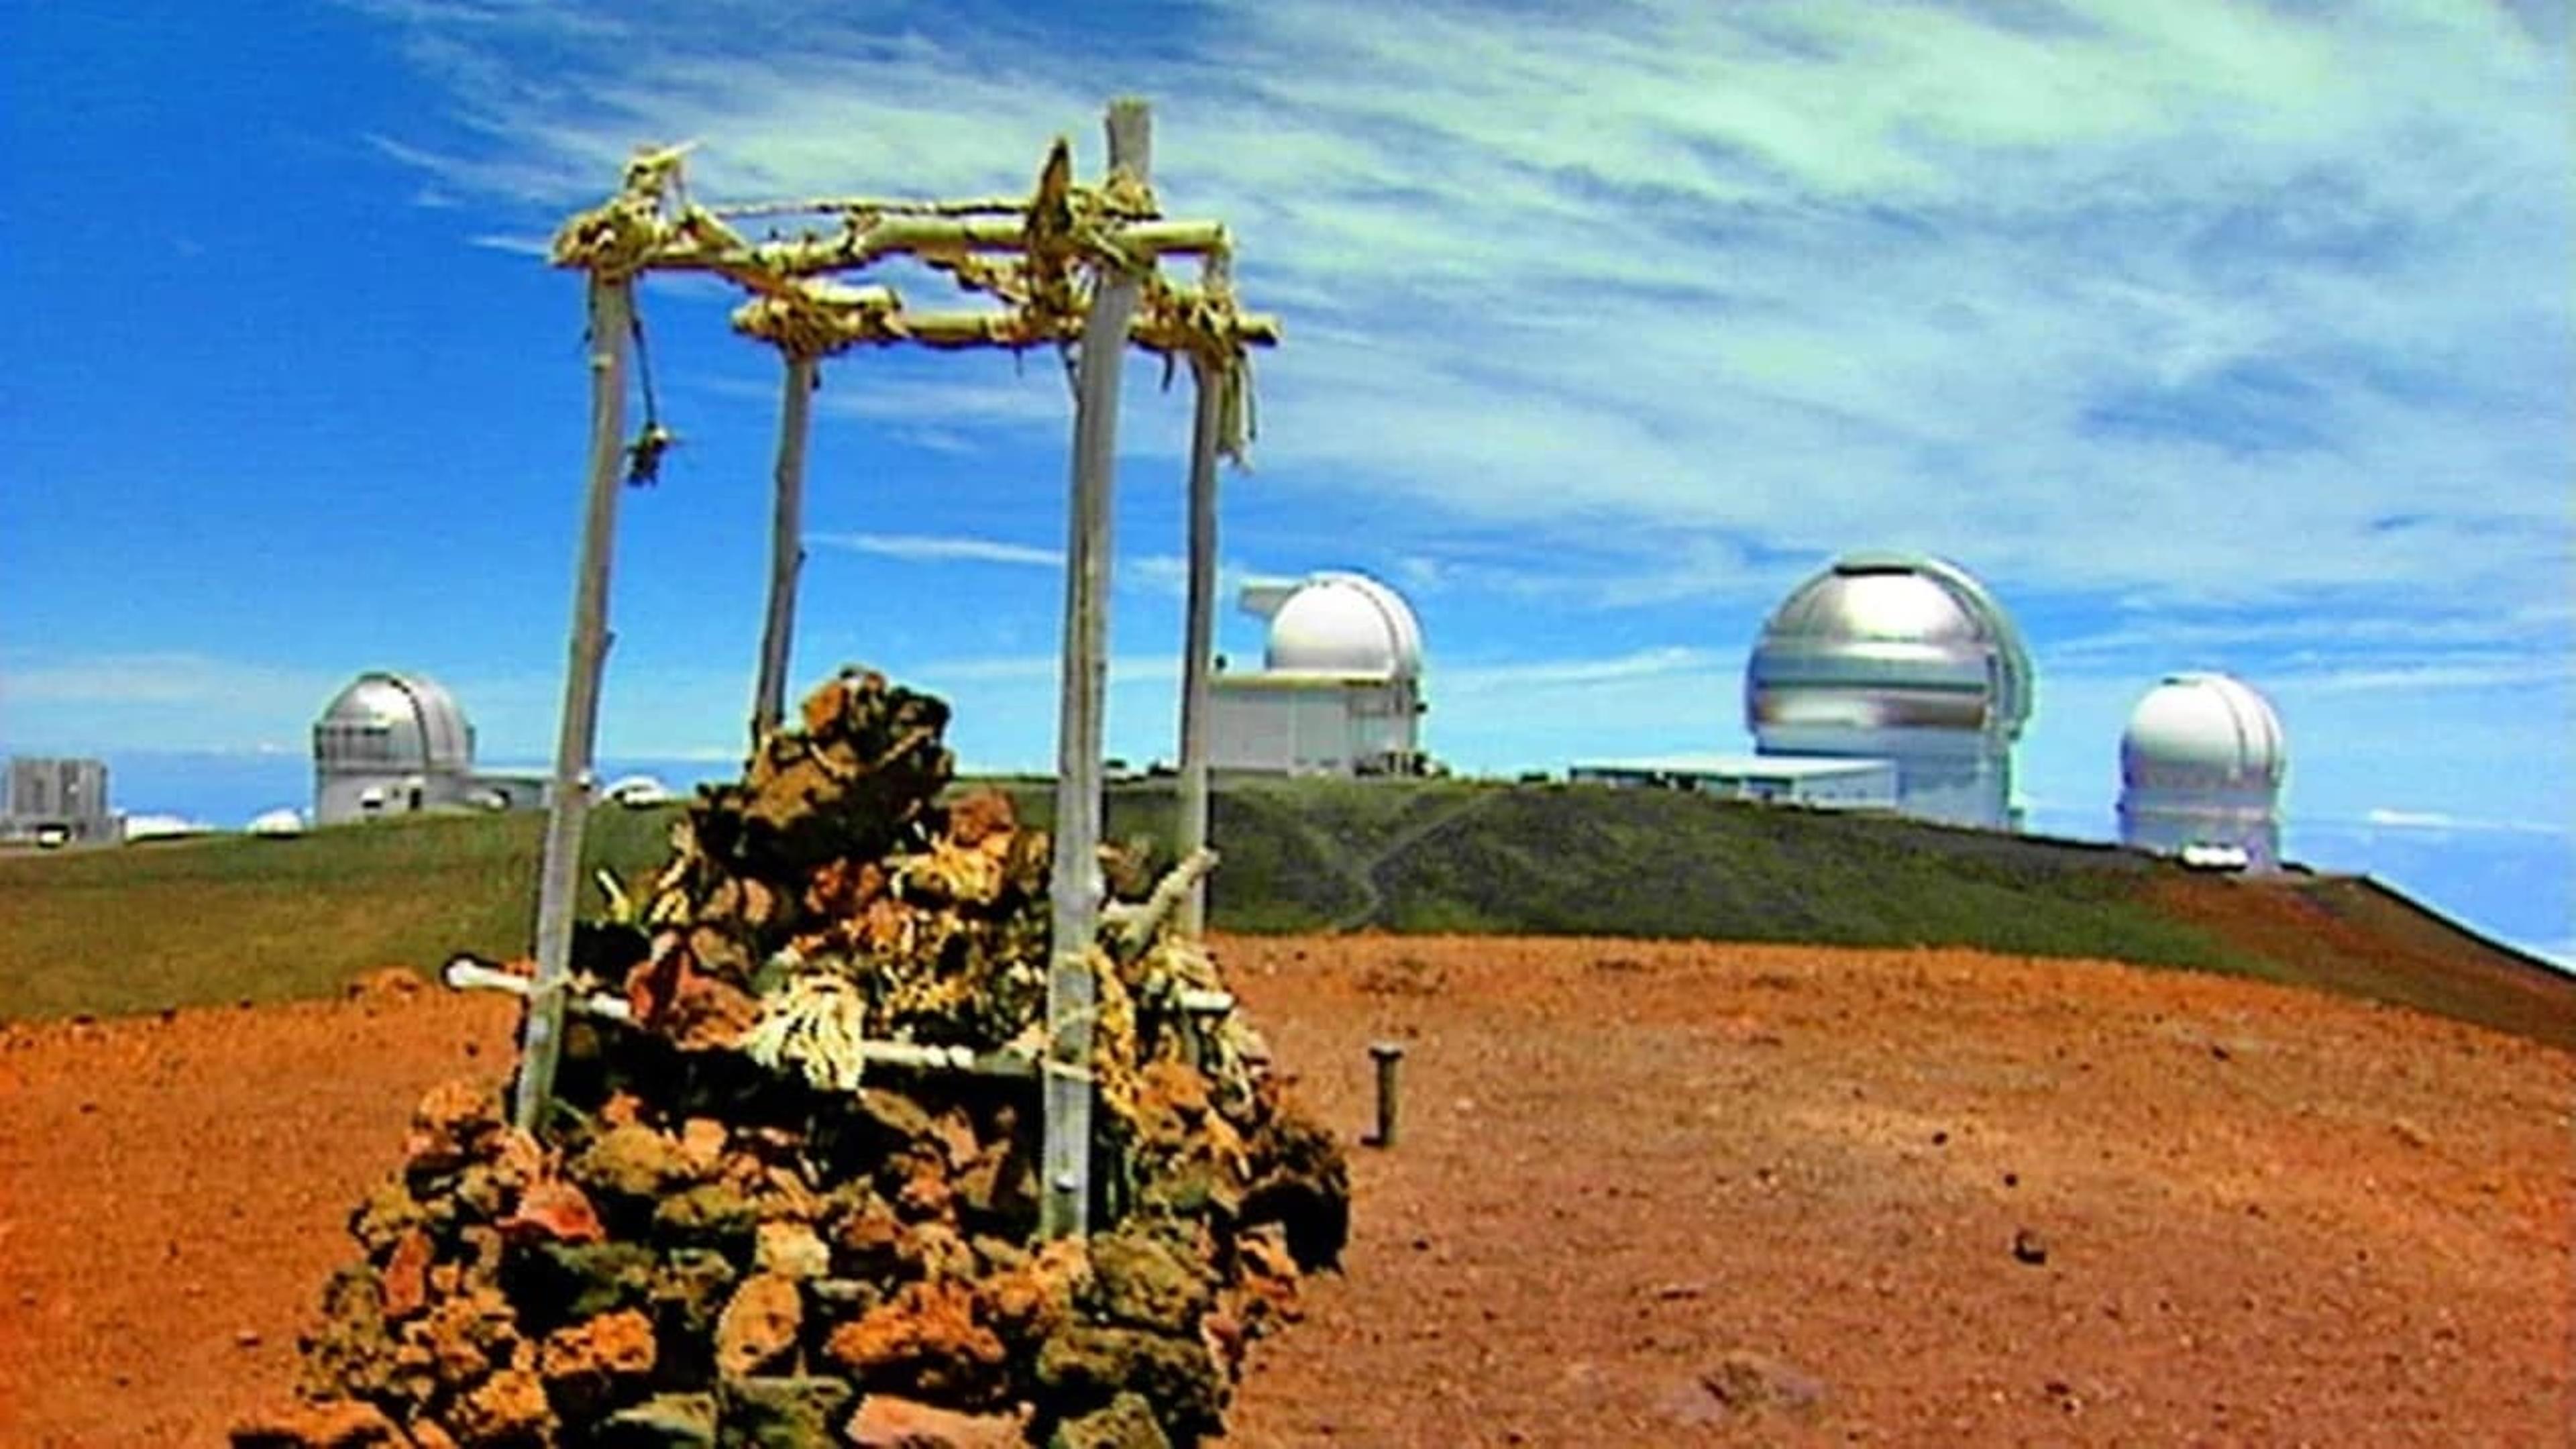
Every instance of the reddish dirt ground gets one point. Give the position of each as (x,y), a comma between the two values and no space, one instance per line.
(1641,1194)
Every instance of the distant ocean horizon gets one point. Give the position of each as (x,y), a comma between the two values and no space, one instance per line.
(2518,887)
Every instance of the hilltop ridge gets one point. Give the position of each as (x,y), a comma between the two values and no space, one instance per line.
(226,919)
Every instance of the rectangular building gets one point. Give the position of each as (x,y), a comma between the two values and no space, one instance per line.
(56,798)
(1819,782)
(1312,724)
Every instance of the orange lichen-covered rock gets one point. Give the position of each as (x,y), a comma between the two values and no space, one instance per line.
(406,1276)
(759,1325)
(509,1407)
(929,1338)
(553,1210)
(587,1361)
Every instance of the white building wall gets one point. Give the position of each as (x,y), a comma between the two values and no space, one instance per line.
(1282,725)
(344,794)
(2171,818)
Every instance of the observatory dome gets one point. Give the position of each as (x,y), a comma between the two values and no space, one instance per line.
(1890,641)
(1902,658)
(393,722)
(1345,624)
(2206,730)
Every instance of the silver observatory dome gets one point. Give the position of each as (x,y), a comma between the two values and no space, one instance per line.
(394,721)
(389,743)
(1902,657)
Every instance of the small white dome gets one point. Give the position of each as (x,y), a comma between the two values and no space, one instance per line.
(638,791)
(277,824)
(1348,625)
(2203,728)
(386,721)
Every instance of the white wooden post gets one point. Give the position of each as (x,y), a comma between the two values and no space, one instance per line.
(612,320)
(1198,637)
(1075,888)
(786,547)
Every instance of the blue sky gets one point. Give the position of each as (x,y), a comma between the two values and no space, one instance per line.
(2210,335)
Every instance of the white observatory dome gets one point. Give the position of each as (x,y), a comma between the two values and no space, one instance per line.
(2203,730)
(393,722)
(2201,765)
(1348,625)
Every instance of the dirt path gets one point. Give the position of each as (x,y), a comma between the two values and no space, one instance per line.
(1644,1194)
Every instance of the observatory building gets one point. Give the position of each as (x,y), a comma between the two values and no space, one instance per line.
(396,744)
(55,801)
(1340,688)
(1900,658)
(2201,764)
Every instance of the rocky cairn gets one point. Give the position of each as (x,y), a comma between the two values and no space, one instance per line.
(744,1224)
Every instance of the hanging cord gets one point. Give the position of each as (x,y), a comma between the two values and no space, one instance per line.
(644,455)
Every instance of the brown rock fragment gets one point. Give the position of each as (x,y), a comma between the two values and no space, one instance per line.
(928,1339)
(790,1250)
(1127,1422)
(509,1407)
(406,1276)
(702,1145)
(632,1161)
(552,1210)
(584,1362)
(890,1421)
(448,1124)
(759,1325)
(463,1338)
(1148,1282)
(388,1213)
(1742,1381)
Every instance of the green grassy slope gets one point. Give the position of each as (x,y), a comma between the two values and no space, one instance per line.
(225,918)
(1579,860)
(217,920)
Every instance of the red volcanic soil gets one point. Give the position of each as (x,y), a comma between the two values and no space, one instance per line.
(1640,1194)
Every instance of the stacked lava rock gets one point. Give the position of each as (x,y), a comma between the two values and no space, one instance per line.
(742,1225)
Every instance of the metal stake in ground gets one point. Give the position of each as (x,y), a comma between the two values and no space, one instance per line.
(1387,1055)
(1198,637)
(1075,887)
(612,320)
(786,546)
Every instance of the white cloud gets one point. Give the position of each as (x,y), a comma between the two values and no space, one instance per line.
(155,679)
(514,244)
(1523,675)
(1633,263)
(2386,818)
(2213,334)
(941,548)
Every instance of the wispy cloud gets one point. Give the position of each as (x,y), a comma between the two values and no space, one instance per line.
(157,679)
(941,548)
(514,244)
(2225,273)
(2385,818)
(1519,675)
(2215,335)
